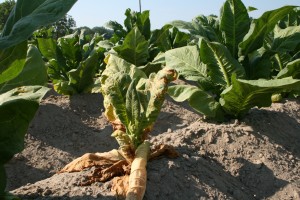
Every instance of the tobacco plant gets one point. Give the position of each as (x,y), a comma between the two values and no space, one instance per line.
(235,62)
(132,103)
(72,61)
(22,70)
(137,44)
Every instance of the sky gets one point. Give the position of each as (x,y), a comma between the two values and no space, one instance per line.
(93,13)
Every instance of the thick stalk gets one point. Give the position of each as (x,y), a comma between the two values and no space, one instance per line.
(138,173)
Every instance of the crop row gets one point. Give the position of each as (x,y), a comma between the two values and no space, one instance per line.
(231,63)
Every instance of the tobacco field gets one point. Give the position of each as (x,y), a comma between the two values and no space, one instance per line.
(200,109)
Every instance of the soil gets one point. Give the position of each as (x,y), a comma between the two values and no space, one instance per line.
(253,158)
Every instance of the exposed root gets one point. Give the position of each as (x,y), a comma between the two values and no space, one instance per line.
(112,165)
(100,174)
(103,160)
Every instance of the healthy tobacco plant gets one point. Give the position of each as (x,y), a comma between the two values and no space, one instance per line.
(132,103)
(72,61)
(22,72)
(137,44)
(233,66)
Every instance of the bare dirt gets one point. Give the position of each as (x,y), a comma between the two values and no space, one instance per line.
(253,158)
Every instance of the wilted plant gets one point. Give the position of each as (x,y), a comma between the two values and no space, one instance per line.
(132,103)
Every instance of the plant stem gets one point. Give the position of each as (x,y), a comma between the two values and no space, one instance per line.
(140,4)
(138,173)
(279,61)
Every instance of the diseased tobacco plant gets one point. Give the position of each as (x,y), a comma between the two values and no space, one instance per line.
(132,103)
(238,62)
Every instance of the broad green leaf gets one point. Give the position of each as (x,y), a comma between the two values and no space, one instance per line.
(82,78)
(220,64)
(48,47)
(17,108)
(250,8)
(243,95)
(201,26)
(183,25)
(178,38)
(116,64)
(186,61)
(140,20)
(260,27)
(70,49)
(160,38)
(208,27)
(198,99)
(134,49)
(291,69)
(292,19)
(234,23)
(260,67)
(27,16)
(286,39)
(133,108)
(12,61)
(115,81)
(169,37)
(33,73)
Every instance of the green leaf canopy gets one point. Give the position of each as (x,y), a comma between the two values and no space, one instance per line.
(27,16)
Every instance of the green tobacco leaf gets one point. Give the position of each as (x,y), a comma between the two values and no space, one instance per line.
(17,108)
(243,95)
(160,38)
(29,15)
(260,27)
(47,46)
(234,23)
(141,20)
(82,78)
(292,69)
(250,9)
(201,26)
(169,37)
(286,39)
(33,73)
(292,19)
(220,64)
(116,64)
(186,61)
(70,49)
(12,61)
(131,100)
(133,108)
(198,99)
(134,48)
(115,81)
